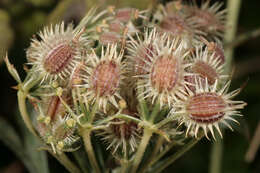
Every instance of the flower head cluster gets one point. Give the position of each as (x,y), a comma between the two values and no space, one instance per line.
(140,73)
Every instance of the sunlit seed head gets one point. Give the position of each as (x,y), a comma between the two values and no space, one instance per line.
(58,58)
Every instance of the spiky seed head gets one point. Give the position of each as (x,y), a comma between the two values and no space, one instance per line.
(166,72)
(207,108)
(205,65)
(177,23)
(120,135)
(209,18)
(103,77)
(57,51)
(141,51)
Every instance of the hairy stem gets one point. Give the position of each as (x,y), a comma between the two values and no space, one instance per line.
(89,149)
(155,151)
(216,155)
(168,161)
(141,149)
(23,110)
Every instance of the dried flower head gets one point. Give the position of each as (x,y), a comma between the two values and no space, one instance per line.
(121,135)
(57,51)
(177,23)
(142,51)
(103,77)
(207,108)
(165,72)
(209,18)
(206,65)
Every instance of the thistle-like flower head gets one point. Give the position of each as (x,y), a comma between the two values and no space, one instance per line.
(103,77)
(207,108)
(164,79)
(57,51)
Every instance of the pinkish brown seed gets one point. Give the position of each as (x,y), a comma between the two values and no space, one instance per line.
(109,38)
(165,72)
(206,107)
(174,24)
(105,78)
(205,71)
(207,20)
(58,58)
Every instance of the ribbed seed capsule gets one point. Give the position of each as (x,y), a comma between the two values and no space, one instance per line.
(58,58)
(105,78)
(57,52)
(205,71)
(206,107)
(164,74)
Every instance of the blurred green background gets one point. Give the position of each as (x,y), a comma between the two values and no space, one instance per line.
(20,19)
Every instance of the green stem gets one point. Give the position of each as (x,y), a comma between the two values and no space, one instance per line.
(155,111)
(156,149)
(168,161)
(216,155)
(89,149)
(233,8)
(23,110)
(141,149)
(66,162)
(158,157)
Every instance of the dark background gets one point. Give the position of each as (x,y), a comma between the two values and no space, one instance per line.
(26,17)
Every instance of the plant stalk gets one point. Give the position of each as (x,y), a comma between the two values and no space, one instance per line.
(89,149)
(65,161)
(23,110)
(141,149)
(233,8)
(168,161)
